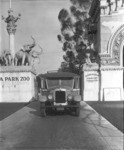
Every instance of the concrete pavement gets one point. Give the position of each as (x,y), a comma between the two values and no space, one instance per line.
(111,110)
(27,130)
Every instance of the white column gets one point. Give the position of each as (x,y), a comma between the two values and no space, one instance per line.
(12,44)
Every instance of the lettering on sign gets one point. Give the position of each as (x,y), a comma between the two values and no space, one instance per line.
(6,79)
(92,77)
(1,79)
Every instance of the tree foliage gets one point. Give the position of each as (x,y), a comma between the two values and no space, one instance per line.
(74,34)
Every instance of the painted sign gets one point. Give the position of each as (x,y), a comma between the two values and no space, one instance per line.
(23,78)
(10,81)
(92,77)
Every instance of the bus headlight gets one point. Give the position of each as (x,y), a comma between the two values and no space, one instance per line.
(70,97)
(50,96)
(77,98)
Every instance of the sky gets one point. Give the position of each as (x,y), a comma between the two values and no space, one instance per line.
(39,18)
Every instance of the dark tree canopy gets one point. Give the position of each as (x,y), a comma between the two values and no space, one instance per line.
(74,34)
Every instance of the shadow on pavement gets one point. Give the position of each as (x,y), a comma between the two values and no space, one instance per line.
(36,106)
(7,109)
(111,110)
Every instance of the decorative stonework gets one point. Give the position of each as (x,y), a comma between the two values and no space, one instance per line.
(112,68)
(18,69)
(92,67)
(11,20)
(110,62)
(105,7)
(109,7)
(109,41)
(114,49)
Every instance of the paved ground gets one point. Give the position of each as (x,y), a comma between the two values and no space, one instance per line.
(111,110)
(27,130)
(7,109)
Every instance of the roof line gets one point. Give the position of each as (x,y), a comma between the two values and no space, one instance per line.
(29,0)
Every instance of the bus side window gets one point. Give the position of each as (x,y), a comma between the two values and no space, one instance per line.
(43,84)
(76,83)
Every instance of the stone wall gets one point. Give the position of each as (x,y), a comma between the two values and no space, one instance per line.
(111,84)
(17,84)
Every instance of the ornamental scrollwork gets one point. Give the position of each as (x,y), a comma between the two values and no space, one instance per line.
(114,59)
(11,22)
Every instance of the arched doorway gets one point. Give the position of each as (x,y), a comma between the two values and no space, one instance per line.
(112,67)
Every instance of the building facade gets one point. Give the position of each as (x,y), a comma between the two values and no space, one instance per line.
(108,19)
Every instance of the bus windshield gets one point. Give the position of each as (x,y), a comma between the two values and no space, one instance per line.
(62,83)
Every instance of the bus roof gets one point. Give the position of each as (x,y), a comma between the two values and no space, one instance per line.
(59,75)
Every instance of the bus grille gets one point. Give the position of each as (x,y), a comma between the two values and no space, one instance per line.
(60,97)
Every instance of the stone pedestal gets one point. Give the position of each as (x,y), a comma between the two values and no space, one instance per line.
(111,84)
(17,84)
(91,83)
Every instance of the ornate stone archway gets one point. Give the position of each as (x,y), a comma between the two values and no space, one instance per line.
(109,42)
(114,49)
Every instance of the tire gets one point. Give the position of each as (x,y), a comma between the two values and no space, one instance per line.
(48,110)
(43,109)
(77,111)
(43,112)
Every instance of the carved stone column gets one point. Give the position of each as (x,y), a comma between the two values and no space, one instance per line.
(12,44)
(110,3)
(103,6)
(11,29)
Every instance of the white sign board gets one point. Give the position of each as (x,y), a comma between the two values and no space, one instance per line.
(112,94)
(91,86)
